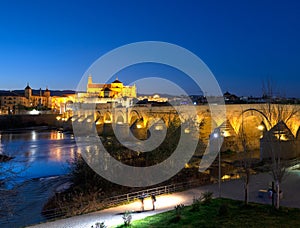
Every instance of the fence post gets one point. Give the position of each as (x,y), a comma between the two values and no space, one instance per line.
(127,197)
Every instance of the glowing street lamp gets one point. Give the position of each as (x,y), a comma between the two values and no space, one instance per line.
(218,136)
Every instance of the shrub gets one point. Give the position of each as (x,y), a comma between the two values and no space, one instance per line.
(223,210)
(99,225)
(196,204)
(178,212)
(178,209)
(206,197)
(127,217)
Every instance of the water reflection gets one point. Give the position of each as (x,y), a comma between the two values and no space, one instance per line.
(40,158)
(56,135)
(39,153)
(33,135)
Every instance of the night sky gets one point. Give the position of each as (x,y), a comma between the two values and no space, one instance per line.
(244,43)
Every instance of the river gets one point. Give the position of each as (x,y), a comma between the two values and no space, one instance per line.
(41,163)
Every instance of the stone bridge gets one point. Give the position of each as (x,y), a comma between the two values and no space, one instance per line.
(250,119)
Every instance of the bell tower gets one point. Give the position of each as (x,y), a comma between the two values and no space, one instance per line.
(90,79)
(28,91)
(48,98)
(47,92)
(90,82)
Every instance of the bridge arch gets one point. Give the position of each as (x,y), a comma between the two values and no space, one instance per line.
(252,123)
(207,125)
(120,117)
(134,116)
(99,117)
(107,117)
(255,113)
(298,134)
(156,122)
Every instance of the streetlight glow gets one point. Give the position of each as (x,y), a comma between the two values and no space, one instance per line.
(218,136)
(261,127)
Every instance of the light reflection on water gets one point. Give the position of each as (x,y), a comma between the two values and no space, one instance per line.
(39,153)
(40,158)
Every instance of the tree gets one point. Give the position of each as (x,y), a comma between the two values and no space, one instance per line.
(278,166)
(276,113)
(7,175)
(246,162)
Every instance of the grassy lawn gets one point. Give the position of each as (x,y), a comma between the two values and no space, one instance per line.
(224,213)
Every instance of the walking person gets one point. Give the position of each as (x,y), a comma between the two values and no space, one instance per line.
(143,196)
(153,201)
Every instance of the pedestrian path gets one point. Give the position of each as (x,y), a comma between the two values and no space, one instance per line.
(113,216)
(230,189)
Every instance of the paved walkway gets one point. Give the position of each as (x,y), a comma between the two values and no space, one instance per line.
(231,189)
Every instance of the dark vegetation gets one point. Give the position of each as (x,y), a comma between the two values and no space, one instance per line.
(89,189)
(5,158)
(7,174)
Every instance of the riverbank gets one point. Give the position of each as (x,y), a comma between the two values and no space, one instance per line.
(5,158)
(39,168)
(27,201)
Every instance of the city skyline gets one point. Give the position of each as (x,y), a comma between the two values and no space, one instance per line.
(51,43)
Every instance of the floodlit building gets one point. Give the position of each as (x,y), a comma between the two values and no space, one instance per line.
(116,89)
(62,103)
(155,97)
(27,100)
(13,102)
(115,93)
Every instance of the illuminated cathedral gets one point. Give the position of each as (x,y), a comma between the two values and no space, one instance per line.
(116,89)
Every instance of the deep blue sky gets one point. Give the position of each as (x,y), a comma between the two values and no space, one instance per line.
(52,43)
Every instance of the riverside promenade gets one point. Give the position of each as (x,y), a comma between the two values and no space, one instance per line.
(230,189)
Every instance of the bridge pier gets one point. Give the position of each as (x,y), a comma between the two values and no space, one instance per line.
(121,130)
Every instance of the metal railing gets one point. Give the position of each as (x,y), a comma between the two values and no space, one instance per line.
(103,203)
